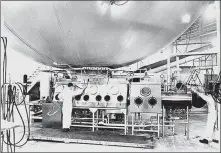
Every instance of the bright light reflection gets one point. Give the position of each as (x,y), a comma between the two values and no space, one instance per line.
(210,12)
(186,18)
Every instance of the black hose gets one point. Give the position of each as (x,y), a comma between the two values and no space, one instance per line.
(10,110)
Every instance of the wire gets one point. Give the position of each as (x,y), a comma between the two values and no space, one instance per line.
(8,103)
(11,100)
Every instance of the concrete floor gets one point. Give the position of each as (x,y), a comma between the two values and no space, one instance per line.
(177,143)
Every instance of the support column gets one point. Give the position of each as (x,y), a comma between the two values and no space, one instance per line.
(97,115)
(1,79)
(93,110)
(170,52)
(158,125)
(163,120)
(103,115)
(217,4)
(93,121)
(178,67)
(168,72)
(132,123)
(188,129)
(124,111)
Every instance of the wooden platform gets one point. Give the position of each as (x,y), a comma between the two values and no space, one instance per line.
(110,138)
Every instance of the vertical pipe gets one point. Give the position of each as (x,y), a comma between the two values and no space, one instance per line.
(125,123)
(168,73)
(1,80)
(30,115)
(178,67)
(163,121)
(103,115)
(132,123)
(187,111)
(108,118)
(97,117)
(158,125)
(93,121)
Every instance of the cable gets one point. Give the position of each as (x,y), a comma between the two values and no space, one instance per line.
(8,103)
(10,114)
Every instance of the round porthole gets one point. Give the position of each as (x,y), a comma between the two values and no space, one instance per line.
(107,98)
(138,101)
(98,98)
(120,98)
(86,98)
(78,97)
(145,91)
(152,101)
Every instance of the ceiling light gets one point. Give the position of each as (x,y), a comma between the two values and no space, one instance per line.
(186,18)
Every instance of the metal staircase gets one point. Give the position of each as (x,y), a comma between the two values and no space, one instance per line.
(33,79)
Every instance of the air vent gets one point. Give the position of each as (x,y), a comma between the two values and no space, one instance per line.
(145,91)
(120,98)
(152,101)
(138,101)
(86,98)
(78,97)
(98,98)
(107,98)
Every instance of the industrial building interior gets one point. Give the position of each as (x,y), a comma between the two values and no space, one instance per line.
(107,76)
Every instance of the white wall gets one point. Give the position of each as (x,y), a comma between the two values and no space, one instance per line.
(18,64)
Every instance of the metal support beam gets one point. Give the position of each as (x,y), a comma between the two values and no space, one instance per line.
(217,3)
(199,43)
(168,71)
(201,35)
(195,53)
(178,67)
(1,79)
